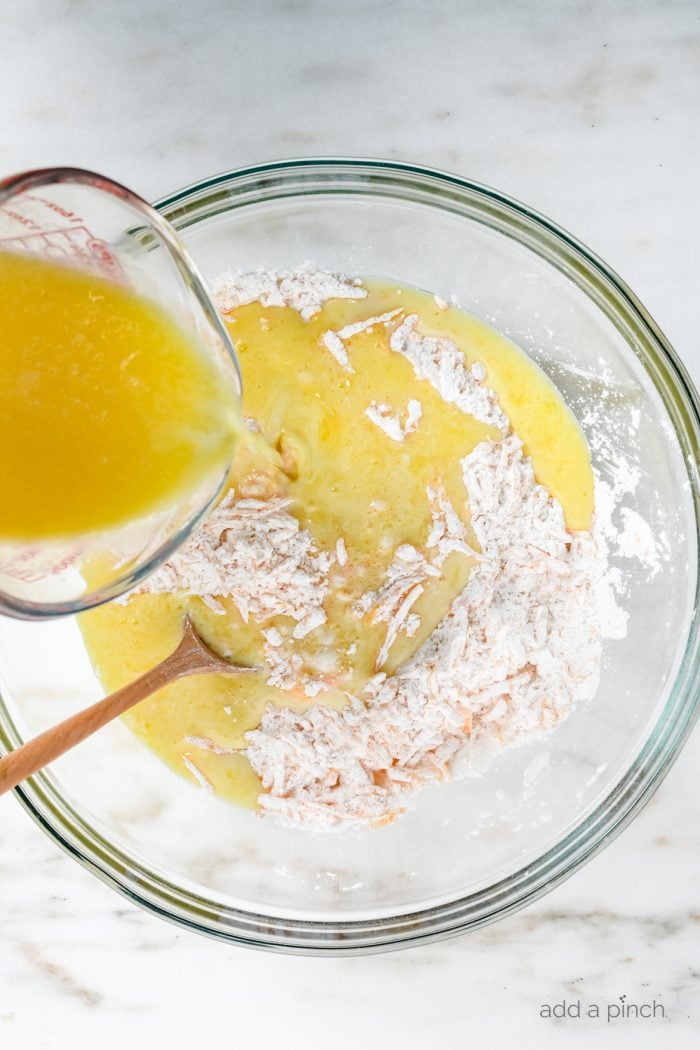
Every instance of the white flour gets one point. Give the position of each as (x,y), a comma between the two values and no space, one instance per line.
(197,774)
(391,423)
(517,649)
(636,540)
(440,361)
(410,572)
(334,342)
(305,289)
(255,552)
(520,645)
(405,582)
(335,346)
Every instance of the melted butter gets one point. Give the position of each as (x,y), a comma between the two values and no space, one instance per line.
(347,479)
(110,410)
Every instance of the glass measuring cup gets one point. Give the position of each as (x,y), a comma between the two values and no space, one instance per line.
(89,222)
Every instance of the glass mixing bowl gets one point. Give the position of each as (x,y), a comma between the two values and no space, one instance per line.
(470,851)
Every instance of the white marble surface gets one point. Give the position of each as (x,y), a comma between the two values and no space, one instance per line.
(586,110)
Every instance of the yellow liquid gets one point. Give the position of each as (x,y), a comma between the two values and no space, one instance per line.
(347,479)
(109,409)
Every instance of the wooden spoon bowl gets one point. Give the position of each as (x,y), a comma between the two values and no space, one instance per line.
(192,657)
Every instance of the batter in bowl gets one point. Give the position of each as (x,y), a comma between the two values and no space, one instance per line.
(405,550)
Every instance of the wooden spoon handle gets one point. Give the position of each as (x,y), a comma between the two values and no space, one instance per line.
(54,742)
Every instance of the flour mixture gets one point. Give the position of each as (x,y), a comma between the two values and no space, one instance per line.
(409,551)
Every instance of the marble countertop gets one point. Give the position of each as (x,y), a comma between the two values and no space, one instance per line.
(587,111)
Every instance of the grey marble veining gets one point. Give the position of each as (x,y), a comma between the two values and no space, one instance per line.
(587,111)
(617,928)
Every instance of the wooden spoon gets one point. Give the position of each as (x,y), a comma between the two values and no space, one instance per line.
(191,657)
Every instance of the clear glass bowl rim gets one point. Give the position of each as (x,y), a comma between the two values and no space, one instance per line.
(399,180)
